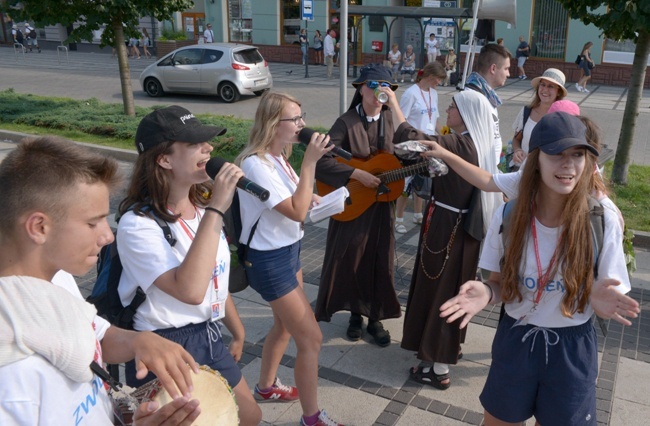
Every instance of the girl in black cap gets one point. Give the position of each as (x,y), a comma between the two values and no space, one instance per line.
(359,254)
(545,352)
(185,280)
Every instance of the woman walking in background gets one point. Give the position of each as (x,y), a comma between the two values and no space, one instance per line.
(318,47)
(146,43)
(586,64)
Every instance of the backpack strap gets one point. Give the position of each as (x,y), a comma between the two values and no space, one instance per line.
(597,225)
(527,111)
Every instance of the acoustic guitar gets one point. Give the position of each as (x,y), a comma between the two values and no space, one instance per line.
(387,168)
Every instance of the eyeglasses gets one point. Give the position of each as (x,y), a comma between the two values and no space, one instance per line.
(296,119)
(372,84)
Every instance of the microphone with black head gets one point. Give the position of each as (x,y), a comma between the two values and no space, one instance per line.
(304,136)
(215,164)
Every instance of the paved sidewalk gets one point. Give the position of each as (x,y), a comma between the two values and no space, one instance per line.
(362,384)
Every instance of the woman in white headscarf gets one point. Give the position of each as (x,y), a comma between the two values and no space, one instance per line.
(456,219)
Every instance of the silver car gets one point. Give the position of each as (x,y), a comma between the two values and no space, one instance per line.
(225,69)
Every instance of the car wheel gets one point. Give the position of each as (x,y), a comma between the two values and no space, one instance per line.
(153,87)
(260,92)
(228,92)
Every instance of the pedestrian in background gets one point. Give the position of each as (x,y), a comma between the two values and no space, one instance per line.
(318,47)
(17,35)
(586,64)
(208,34)
(304,45)
(146,43)
(523,52)
(395,58)
(432,47)
(133,47)
(408,66)
(329,51)
(30,33)
(450,65)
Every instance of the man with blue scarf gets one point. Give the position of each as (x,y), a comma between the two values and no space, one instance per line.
(492,70)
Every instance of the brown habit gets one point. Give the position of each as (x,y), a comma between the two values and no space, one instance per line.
(357,271)
(424,331)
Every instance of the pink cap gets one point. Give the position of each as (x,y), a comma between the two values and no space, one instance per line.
(565,105)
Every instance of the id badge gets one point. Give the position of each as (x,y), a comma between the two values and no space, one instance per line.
(218,310)
(430,126)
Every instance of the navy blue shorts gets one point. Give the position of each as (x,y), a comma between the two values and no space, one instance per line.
(273,272)
(522,384)
(206,348)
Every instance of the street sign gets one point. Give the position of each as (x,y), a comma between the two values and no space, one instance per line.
(307,10)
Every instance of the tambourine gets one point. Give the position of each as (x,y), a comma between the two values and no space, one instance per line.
(218,405)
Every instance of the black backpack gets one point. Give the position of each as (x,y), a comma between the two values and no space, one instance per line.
(19,36)
(232,225)
(31,34)
(105,296)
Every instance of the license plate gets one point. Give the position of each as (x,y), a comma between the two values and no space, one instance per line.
(261,82)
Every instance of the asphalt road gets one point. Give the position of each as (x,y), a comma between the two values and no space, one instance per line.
(93,75)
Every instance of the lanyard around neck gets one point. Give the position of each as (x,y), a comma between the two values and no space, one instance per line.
(429,109)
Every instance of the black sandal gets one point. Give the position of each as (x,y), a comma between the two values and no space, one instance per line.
(355,330)
(429,377)
(379,334)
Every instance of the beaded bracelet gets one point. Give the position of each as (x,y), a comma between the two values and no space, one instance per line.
(491,292)
(212,209)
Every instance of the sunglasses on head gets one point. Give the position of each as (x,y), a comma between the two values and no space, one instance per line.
(372,84)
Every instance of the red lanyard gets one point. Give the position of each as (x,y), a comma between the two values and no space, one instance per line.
(429,111)
(191,233)
(288,170)
(542,279)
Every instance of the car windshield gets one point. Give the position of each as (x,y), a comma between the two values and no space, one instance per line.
(248,56)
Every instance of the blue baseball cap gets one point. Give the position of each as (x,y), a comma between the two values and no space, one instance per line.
(557,132)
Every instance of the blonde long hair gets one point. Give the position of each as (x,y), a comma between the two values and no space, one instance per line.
(574,250)
(267,117)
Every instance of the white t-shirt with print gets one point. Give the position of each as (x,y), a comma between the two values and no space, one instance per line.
(611,264)
(432,46)
(34,392)
(274,229)
(415,104)
(146,255)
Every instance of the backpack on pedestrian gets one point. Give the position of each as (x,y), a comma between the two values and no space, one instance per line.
(232,225)
(105,294)
(19,36)
(31,34)
(519,136)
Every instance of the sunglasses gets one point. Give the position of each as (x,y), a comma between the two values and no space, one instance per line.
(372,84)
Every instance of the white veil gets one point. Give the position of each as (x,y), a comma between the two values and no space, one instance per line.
(477,115)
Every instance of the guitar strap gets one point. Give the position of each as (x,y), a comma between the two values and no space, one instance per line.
(382,129)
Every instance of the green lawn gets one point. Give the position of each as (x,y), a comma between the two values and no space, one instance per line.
(98,123)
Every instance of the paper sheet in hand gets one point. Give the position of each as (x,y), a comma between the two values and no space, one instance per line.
(331,204)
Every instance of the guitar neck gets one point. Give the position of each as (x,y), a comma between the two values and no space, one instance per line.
(399,174)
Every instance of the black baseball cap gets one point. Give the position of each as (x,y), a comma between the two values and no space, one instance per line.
(557,132)
(375,72)
(172,124)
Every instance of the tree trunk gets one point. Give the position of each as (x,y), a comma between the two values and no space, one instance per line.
(125,71)
(626,138)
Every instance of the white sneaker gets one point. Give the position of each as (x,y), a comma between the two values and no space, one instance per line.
(585,90)
(400,228)
(401,81)
(578,88)
(417,219)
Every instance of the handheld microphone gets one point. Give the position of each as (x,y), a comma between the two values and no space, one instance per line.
(305,136)
(215,164)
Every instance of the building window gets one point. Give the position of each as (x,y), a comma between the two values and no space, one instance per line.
(550,24)
(240,22)
(290,21)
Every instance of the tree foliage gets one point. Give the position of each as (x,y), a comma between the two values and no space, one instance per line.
(117,17)
(619,20)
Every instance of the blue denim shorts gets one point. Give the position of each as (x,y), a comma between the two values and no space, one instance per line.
(273,272)
(205,345)
(558,387)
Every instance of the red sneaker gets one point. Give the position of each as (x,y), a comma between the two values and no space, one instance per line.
(278,393)
(323,420)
